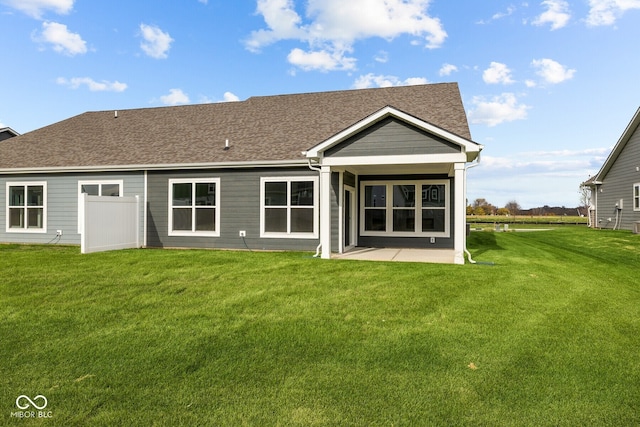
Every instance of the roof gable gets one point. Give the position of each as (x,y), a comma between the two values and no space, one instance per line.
(631,128)
(444,137)
(6,133)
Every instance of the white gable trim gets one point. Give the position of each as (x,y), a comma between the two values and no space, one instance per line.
(466,145)
(617,149)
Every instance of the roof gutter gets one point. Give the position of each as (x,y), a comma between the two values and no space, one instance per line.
(159,167)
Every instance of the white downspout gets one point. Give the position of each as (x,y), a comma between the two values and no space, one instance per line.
(473,165)
(317,169)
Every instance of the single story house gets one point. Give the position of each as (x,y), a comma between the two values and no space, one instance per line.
(615,189)
(318,172)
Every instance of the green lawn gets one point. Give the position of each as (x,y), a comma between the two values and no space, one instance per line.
(549,335)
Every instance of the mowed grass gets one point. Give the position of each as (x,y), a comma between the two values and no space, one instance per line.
(547,335)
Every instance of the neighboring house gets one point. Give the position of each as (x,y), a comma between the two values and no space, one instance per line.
(6,133)
(615,189)
(319,171)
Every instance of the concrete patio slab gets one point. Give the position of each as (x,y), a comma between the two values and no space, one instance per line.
(440,256)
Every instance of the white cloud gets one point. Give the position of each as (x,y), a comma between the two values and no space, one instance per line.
(321,60)
(92,85)
(230,97)
(36,8)
(382,57)
(497,73)
(332,27)
(557,14)
(606,12)
(63,40)
(175,97)
(447,69)
(156,43)
(497,110)
(552,71)
(499,15)
(371,80)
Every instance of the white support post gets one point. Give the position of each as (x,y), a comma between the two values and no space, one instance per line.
(325,211)
(459,215)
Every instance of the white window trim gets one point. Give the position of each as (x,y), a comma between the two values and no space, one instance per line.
(44,206)
(418,208)
(634,198)
(316,205)
(99,182)
(185,233)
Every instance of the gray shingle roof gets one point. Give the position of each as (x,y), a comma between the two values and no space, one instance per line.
(268,128)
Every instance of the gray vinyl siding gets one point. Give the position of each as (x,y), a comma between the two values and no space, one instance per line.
(392,137)
(618,185)
(239,210)
(62,204)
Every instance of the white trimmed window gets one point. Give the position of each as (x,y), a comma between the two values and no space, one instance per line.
(194,207)
(405,208)
(636,197)
(289,207)
(26,207)
(113,188)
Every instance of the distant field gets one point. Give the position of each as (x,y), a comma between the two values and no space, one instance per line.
(526,219)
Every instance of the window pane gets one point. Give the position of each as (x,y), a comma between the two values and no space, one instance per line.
(275,220)
(182,195)
(111,190)
(34,217)
(90,189)
(275,193)
(375,220)
(375,196)
(433,196)
(404,220)
(16,196)
(16,218)
(205,219)
(302,193)
(433,219)
(205,194)
(181,219)
(35,195)
(404,196)
(301,220)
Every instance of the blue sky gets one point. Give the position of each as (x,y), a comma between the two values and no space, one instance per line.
(549,86)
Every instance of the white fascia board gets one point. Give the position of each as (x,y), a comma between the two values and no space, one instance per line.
(395,160)
(178,166)
(465,144)
(9,130)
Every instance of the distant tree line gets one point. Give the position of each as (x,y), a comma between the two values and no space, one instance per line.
(483,207)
